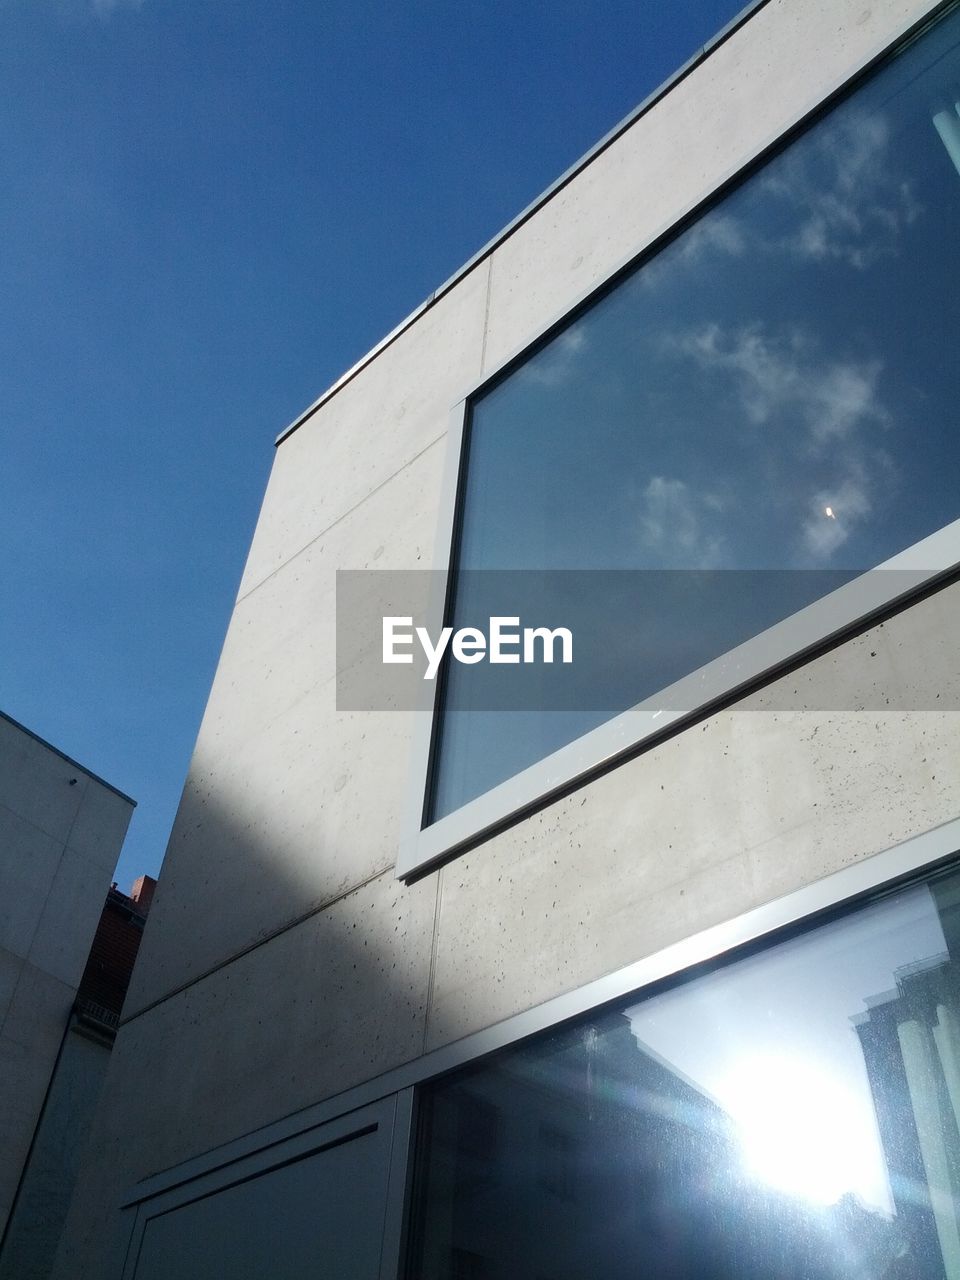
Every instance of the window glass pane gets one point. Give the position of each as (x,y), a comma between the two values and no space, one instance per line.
(776,390)
(792,1114)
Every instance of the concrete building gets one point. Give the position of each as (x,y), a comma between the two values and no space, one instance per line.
(49,1173)
(62,828)
(721,344)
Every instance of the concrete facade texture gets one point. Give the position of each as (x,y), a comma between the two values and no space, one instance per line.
(49,1175)
(321,970)
(31,1241)
(61,830)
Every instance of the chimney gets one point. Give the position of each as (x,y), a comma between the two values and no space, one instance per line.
(142,892)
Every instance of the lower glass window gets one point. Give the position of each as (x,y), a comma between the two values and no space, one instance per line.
(792,1113)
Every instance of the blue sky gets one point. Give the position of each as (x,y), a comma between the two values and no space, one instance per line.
(210,209)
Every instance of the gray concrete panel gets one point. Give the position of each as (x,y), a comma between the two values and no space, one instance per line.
(10,966)
(277,850)
(29,1041)
(21,1097)
(371,429)
(37,1013)
(100,826)
(281,640)
(729,814)
(290,802)
(51,896)
(28,865)
(37,783)
(65,929)
(340,998)
(44,1198)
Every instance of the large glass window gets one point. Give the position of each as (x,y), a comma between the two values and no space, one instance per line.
(776,390)
(791,1114)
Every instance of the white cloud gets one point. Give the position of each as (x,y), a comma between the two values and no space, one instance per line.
(845,398)
(674,522)
(778,374)
(767,377)
(829,410)
(555,364)
(718,234)
(834,196)
(718,231)
(573,340)
(850,206)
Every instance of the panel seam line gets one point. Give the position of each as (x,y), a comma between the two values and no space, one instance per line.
(260,942)
(333,524)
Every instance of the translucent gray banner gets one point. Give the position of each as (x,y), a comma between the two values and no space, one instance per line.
(632,634)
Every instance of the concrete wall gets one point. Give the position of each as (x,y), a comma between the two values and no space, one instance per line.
(60,835)
(31,1242)
(284,962)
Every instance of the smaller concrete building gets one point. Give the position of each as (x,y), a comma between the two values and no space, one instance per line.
(61,829)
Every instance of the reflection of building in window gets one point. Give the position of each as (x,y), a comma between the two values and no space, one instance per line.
(477,1130)
(947,124)
(558,1157)
(612,1160)
(477,1125)
(596,1139)
(911,1047)
(468,1266)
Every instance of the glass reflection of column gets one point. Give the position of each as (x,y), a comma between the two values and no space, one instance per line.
(920,1062)
(911,1045)
(946,1033)
(947,124)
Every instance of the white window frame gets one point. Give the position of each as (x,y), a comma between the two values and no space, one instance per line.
(871,597)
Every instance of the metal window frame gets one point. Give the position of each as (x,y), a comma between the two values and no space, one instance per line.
(391,1097)
(873,596)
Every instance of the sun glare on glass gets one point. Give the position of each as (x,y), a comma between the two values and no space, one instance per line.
(804,1132)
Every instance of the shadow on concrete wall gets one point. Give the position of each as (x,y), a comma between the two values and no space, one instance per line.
(329,1000)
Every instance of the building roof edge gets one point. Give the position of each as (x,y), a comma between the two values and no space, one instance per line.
(69,759)
(567,176)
